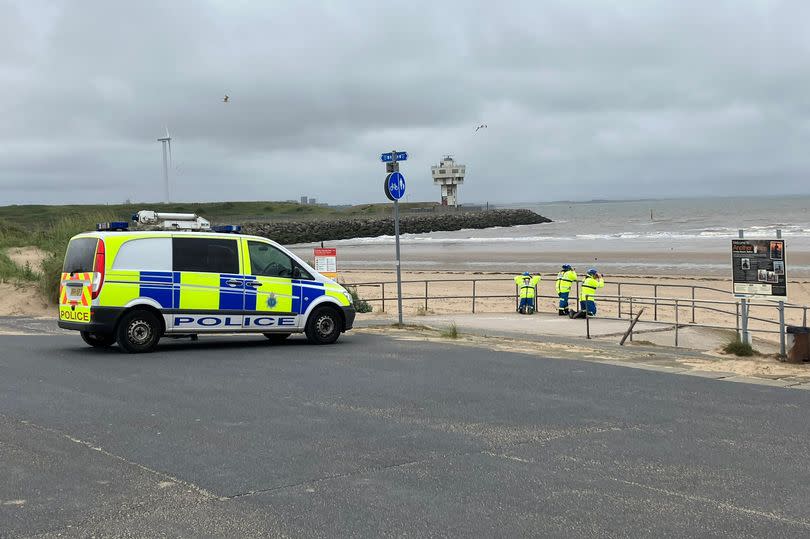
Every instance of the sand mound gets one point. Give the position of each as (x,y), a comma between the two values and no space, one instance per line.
(33,256)
(23,300)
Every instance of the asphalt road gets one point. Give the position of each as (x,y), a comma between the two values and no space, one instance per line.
(372,437)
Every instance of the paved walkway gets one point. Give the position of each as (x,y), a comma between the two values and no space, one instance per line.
(543,324)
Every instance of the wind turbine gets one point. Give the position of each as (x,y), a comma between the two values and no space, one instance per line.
(167,159)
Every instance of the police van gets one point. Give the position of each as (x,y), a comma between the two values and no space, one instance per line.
(176,275)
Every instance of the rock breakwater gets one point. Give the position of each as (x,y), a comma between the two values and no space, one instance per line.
(289,232)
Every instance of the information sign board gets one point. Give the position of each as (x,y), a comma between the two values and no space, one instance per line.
(326,262)
(758,269)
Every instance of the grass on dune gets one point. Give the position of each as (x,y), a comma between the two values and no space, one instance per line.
(51,227)
(52,238)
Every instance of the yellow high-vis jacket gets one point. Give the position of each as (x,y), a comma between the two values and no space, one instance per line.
(587,290)
(565,279)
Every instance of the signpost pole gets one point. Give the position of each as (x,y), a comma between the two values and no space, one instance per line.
(395,189)
(399,274)
(781,313)
(745,336)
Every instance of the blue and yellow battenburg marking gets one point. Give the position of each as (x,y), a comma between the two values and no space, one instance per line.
(190,291)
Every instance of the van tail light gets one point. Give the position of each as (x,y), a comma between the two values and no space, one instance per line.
(98,269)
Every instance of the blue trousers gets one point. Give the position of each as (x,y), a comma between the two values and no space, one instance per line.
(525,302)
(563,300)
(589,306)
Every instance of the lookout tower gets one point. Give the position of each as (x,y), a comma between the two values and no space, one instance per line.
(448,175)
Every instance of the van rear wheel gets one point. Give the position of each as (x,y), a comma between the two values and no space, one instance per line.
(324,326)
(98,340)
(138,331)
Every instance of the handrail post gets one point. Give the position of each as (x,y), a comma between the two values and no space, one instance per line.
(804,318)
(676,323)
(655,306)
(693,304)
(473,298)
(426,296)
(382,296)
(587,319)
(631,316)
(781,308)
(620,299)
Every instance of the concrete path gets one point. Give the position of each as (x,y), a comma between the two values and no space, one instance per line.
(544,324)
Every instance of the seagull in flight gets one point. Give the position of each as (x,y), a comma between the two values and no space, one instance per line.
(226,98)
(482,126)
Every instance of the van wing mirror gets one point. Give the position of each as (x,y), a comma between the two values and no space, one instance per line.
(296,273)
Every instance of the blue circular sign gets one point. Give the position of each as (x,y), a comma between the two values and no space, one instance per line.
(395,186)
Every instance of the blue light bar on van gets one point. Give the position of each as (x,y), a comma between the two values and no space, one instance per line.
(112,225)
(235,229)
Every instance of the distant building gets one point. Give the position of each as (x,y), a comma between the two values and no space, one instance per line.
(303,200)
(448,175)
(313,201)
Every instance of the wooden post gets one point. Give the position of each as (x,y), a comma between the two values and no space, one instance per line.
(382,295)
(473,298)
(629,331)
(426,296)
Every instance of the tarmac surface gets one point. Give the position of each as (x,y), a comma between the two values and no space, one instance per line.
(233,436)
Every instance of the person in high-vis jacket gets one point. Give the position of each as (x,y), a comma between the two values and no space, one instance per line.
(565,279)
(527,290)
(587,291)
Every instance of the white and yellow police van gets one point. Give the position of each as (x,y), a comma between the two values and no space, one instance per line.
(178,276)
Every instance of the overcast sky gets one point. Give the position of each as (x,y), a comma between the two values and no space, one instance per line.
(599,99)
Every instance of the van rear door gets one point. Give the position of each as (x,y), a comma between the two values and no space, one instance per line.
(76,285)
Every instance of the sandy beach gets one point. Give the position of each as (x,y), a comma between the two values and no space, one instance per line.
(452,292)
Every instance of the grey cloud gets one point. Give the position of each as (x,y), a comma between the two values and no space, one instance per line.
(582,99)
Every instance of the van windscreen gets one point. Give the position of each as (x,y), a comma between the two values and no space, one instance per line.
(80,256)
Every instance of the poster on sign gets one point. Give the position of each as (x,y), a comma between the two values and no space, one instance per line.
(326,262)
(758,269)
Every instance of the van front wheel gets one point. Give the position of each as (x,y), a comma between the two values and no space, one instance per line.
(138,331)
(324,326)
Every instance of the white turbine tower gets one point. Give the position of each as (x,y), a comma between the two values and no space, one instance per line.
(167,159)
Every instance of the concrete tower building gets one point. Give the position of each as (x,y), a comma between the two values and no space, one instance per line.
(448,175)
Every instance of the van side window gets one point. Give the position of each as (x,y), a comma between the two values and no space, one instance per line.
(268,261)
(209,255)
(147,254)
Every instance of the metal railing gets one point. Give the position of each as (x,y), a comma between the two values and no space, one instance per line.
(693,303)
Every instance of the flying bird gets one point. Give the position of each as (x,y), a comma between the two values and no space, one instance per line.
(482,126)
(226,98)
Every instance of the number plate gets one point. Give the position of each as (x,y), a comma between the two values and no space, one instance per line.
(74,292)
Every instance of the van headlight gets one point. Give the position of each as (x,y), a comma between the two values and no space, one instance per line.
(348,297)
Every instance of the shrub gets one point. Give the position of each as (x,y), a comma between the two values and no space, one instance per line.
(451,332)
(51,277)
(739,348)
(360,305)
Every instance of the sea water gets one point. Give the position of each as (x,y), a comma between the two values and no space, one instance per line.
(681,236)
